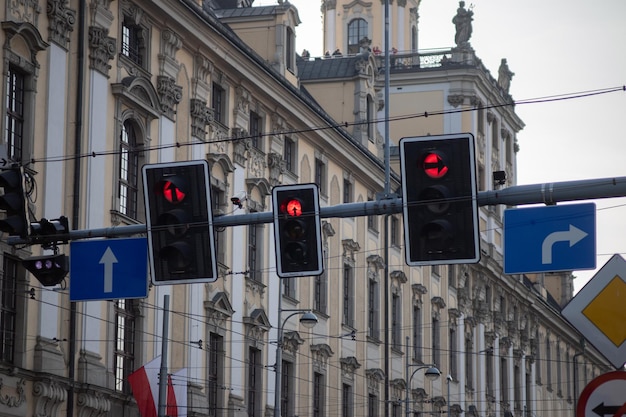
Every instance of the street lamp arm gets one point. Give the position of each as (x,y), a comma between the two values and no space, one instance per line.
(307,321)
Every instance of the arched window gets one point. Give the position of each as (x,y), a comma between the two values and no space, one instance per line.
(129,170)
(357,30)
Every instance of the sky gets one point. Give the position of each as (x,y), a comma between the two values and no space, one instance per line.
(555,47)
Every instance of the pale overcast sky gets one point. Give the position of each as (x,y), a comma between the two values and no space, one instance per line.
(555,47)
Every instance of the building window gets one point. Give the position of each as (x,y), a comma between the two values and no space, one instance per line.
(372,313)
(217,200)
(372,220)
(495,139)
(129,170)
(559,367)
(8,309)
(289,155)
(215,373)
(133,41)
(372,405)
(538,358)
(318,394)
(124,354)
(320,175)
(396,409)
(320,301)
(548,362)
(396,321)
(469,362)
(357,30)
(517,387)
(289,287)
(453,352)
(451,276)
(346,401)
(504,379)
(254,252)
(15,113)
(255,129)
(290,50)
(370,118)
(436,340)
(288,382)
(348,296)
(255,375)
(218,102)
(489,372)
(417,333)
(394,232)
(347,190)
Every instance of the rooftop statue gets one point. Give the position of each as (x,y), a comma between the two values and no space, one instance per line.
(463,23)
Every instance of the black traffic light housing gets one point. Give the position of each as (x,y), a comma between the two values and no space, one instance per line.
(439,199)
(13,202)
(297,230)
(179,218)
(48,269)
(50,232)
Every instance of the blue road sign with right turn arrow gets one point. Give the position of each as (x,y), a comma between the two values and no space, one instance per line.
(550,238)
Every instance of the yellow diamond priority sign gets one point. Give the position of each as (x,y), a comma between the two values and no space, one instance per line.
(598,312)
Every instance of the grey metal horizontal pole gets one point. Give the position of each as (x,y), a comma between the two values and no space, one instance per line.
(546,193)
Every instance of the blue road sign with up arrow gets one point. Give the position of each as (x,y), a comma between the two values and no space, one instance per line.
(108,269)
(550,238)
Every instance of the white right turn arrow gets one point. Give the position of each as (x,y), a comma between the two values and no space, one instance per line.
(573,236)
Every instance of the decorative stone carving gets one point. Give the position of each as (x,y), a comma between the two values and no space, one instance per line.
(277,166)
(456,100)
(170,44)
(218,310)
(398,276)
(349,366)
(102,49)
(256,163)
(170,94)
(13,401)
(48,396)
(201,116)
(241,145)
(61,22)
(24,11)
(93,404)
(374,376)
(320,353)
(349,247)
(291,342)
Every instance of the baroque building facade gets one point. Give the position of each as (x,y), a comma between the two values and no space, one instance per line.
(95,89)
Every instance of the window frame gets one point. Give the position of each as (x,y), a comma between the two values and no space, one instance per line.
(128,170)
(124,343)
(358,29)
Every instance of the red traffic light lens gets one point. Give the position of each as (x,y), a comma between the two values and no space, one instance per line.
(172,193)
(291,207)
(434,165)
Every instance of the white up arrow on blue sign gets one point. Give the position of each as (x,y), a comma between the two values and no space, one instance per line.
(550,238)
(108,269)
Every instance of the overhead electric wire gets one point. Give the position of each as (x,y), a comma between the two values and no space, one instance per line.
(346,124)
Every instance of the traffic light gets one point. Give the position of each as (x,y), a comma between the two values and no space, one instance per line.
(297,230)
(50,232)
(181,244)
(13,202)
(48,269)
(439,199)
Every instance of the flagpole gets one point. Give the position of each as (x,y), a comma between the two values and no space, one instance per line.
(163,373)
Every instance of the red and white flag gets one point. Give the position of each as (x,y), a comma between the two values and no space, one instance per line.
(145,385)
